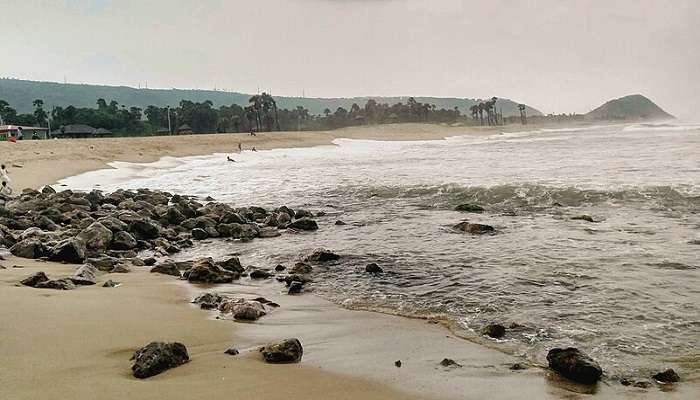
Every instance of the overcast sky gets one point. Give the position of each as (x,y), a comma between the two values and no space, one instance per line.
(556,55)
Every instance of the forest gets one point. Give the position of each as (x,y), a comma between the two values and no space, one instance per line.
(261,115)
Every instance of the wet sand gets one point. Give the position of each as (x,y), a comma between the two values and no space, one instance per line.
(77,344)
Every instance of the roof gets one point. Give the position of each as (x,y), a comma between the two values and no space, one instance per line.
(74,129)
(101,131)
(185,126)
(160,130)
(11,128)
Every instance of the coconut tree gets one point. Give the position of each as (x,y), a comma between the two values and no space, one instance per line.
(523,115)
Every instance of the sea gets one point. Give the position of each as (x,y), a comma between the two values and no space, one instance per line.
(625,288)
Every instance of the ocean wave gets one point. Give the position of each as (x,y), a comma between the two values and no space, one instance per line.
(665,127)
(529,196)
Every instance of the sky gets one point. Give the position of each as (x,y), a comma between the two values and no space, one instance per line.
(559,56)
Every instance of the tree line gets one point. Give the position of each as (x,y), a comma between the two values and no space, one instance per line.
(261,114)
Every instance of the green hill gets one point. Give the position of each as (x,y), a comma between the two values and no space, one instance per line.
(21,93)
(633,107)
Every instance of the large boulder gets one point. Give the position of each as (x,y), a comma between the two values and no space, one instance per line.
(157,357)
(209,301)
(96,236)
(71,251)
(144,229)
(575,365)
(34,279)
(28,248)
(85,275)
(174,216)
(474,229)
(304,224)
(57,284)
(199,234)
(123,241)
(167,268)
(232,264)
(285,351)
(104,263)
(243,310)
(232,218)
(668,376)
(205,271)
(494,330)
(113,224)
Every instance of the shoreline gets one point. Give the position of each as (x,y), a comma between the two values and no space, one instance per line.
(355,349)
(33,164)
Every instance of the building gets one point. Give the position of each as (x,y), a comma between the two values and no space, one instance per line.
(74,131)
(184,130)
(101,132)
(27,131)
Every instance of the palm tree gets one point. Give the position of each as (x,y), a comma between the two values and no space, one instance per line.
(523,115)
(495,113)
(326,112)
(482,108)
(475,111)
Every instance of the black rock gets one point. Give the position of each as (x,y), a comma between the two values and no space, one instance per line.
(34,279)
(397,363)
(157,357)
(232,264)
(70,250)
(260,274)
(304,224)
(286,351)
(339,222)
(301,268)
(469,208)
(110,283)
(149,261)
(123,241)
(583,218)
(85,275)
(668,376)
(144,229)
(232,351)
(373,268)
(199,234)
(209,301)
(58,284)
(575,365)
(494,330)
(475,229)
(322,255)
(295,287)
(167,268)
(517,367)
(448,362)
(280,267)
(204,271)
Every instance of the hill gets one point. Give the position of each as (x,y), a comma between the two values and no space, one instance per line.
(633,107)
(21,93)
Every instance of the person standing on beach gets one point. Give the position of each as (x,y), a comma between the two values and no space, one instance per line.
(6,190)
(4,175)
(20,134)
(240,148)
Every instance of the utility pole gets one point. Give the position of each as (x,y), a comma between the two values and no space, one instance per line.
(170,129)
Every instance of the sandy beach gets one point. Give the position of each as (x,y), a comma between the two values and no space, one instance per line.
(77,344)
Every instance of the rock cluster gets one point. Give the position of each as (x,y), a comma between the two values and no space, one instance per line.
(73,227)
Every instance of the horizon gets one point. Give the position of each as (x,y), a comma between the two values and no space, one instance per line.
(558,57)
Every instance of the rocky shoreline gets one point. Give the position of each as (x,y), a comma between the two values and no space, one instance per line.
(107,233)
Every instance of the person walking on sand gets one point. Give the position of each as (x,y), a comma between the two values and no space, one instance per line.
(240,148)
(20,134)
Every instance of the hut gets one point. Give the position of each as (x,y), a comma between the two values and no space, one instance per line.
(73,131)
(184,130)
(163,131)
(101,132)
